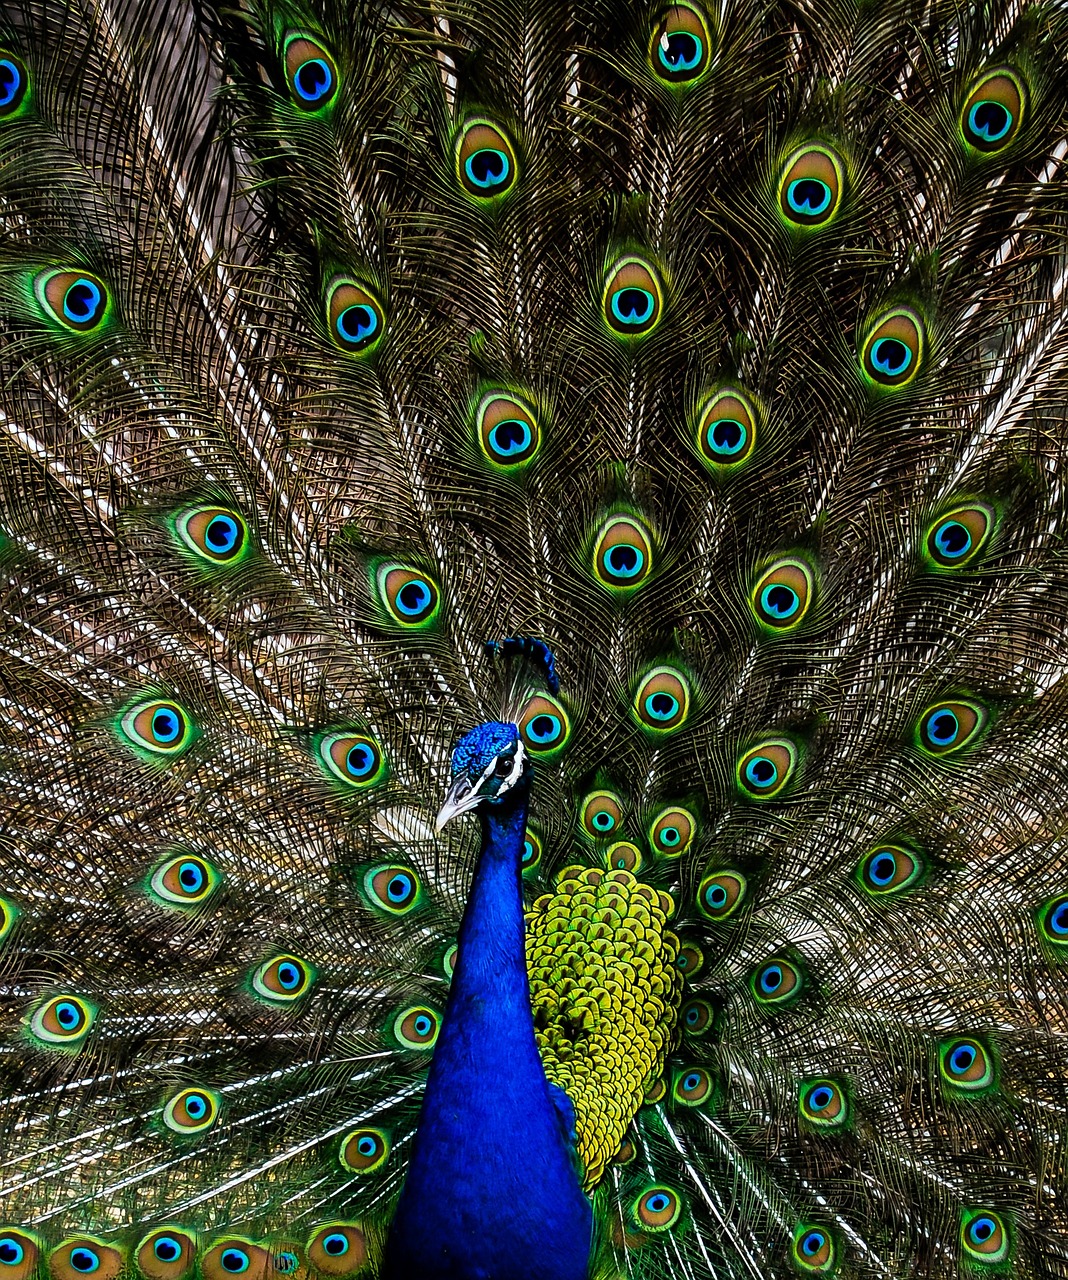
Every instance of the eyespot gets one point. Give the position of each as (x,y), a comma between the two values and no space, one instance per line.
(168,1253)
(948,727)
(184,881)
(158,728)
(84,1256)
(813,1248)
(215,534)
(19,1251)
(354,317)
(894,349)
(9,914)
(957,537)
(662,702)
(690,960)
(727,429)
(778,982)
(993,111)
(601,814)
(632,300)
(417,1028)
(353,758)
(782,595)
(191,1111)
(448,961)
(485,160)
(14,82)
(311,73)
(364,1150)
(626,1154)
(719,895)
(810,192)
(622,554)
(507,430)
(544,725)
(696,1017)
(532,850)
(283,979)
(890,869)
(966,1065)
(395,889)
(338,1249)
(823,1104)
(693,1087)
(657,1209)
(234,1256)
(765,769)
(78,300)
(1053,921)
(286,1262)
(680,49)
(623,856)
(672,831)
(411,597)
(62,1021)
(984,1236)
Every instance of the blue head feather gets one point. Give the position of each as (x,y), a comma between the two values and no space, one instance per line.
(476,749)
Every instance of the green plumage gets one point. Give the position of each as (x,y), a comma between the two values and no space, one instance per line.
(722,347)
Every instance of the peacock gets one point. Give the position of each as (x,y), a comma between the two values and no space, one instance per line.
(535,610)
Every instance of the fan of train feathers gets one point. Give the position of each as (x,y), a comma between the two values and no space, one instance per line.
(716,351)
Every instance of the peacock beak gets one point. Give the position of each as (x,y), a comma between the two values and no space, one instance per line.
(461,797)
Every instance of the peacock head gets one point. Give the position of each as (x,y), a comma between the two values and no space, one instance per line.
(489,763)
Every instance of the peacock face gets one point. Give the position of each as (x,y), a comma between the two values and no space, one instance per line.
(486,765)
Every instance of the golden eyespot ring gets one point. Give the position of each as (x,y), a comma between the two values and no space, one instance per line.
(657,1209)
(680,48)
(623,856)
(778,981)
(781,597)
(693,1087)
(354,317)
(485,160)
(20,1253)
(765,769)
(622,554)
(168,1253)
(719,895)
(601,814)
(396,889)
(993,111)
(957,537)
(311,73)
(364,1150)
(353,758)
(62,1021)
(191,1110)
(727,429)
(984,1235)
(672,831)
(234,1256)
(822,1103)
(283,979)
(507,430)
(632,300)
(417,1027)
(78,300)
(85,1255)
(890,869)
(411,596)
(159,727)
(544,725)
(184,881)
(696,1017)
(810,192)
(662,702)
(965,1064)
(338,1249)
(948,727)
(893,352)
(813,1248)
(216,534)
(532,850)
(690,960)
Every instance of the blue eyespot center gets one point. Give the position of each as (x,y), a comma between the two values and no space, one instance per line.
(286,1262)
(693,1017)
(726,437)
(632,306)
(662,706)
(191,876)
(360,760)
(942,727)
(813,1242)
(357,323)
(761,772)
(779,601)
(962,1058)
(510,437)
(692,1081)
(657,1202)
(820,1097)
(625,560)
(981,1229)
(11,1252)
(423,1025)
(770,979)
(990,121)
(68,1015)
(1058,920)
(222,534)
(603,820)
(414,597)
(953,539)
(196,1106)
(399,888)
(545,728)
(716,896)
(670,836)
(288,976)
(10,82)
(167,1249)
(809,197)
(336,1244)
(488,168)
(680,50)
(84,1260)
(166,725)
(235,1260)
(883,868)
(82,301)
(314,80)
(890,357)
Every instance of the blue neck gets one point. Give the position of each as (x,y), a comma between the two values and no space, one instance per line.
(491,1190)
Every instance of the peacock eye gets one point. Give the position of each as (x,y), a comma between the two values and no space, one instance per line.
(544,725)
(680,49)
(157,728)
(696,1017)
(485,160)
(993,111)
(957,537)
(338,1249)
(966,1065)
(507,430)
(191,1111)
(778,982)
(13,83)
(690,960)
(662,700)
(63,1021)
(765,769)
(810,191)
(311,73)
(948,727)
(782,595)
(416,1028)
(282,979)
(813,1249)
(693,1087)
(893,351)
(823,1104)
(234,1256)
(1053,922)
(85,1256)
(719,895)
(19,1254)
(215,534)
(601,814)
(984,1235)
(166,1254)
(657,1209)
(353,758)
(184,881)
(364,1150)
(78,300)
(395,889)
(622,554)
(410,597)
(632,299)
(726,430)
(355,319)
